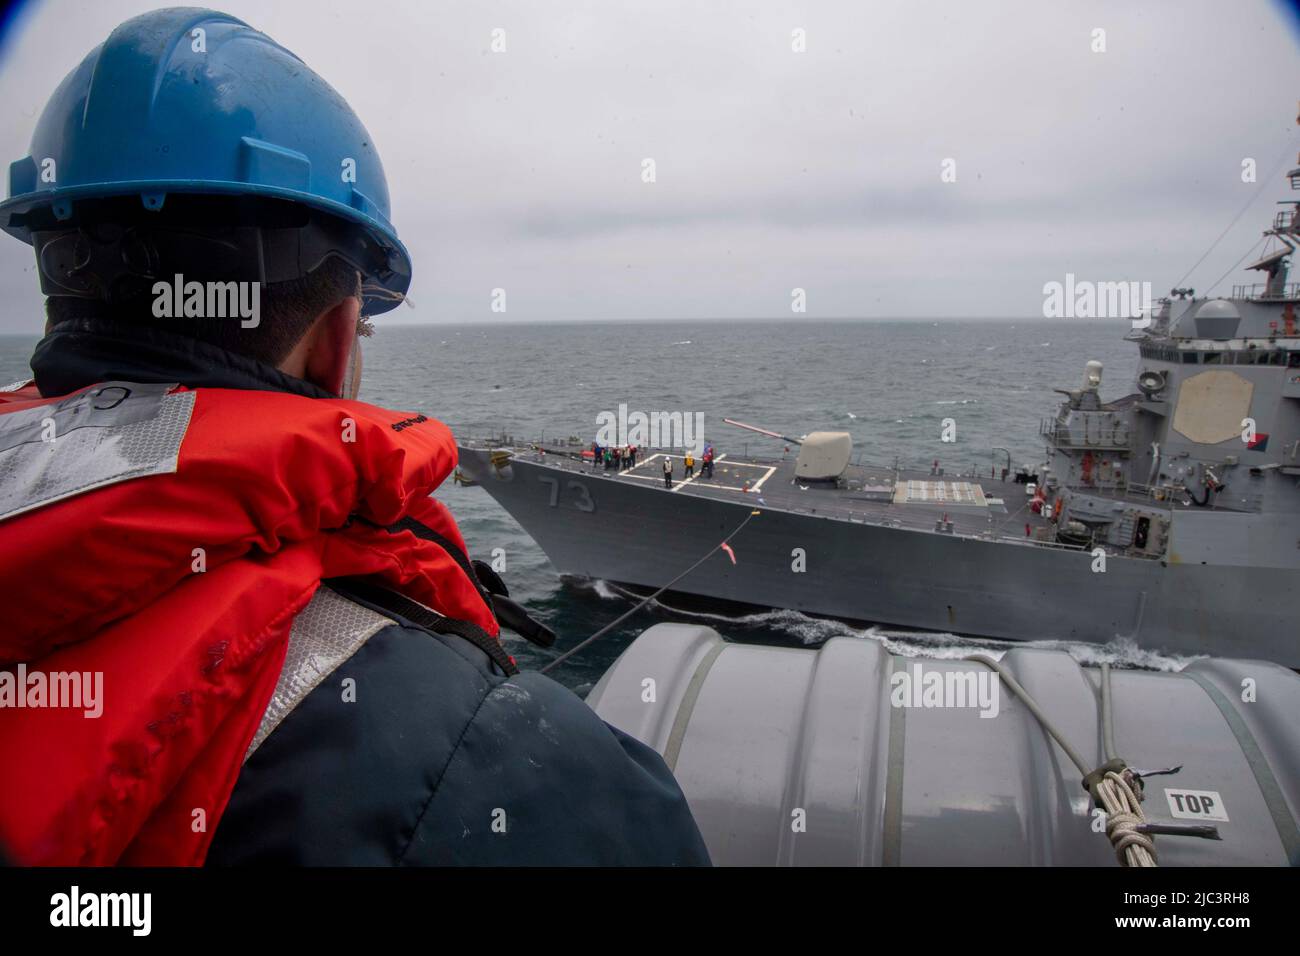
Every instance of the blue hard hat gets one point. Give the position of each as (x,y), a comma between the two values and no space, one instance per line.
(195,102)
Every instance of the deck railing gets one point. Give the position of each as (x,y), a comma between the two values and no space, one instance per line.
(1260,291)
(898,520)
(501,439)
(1062,437)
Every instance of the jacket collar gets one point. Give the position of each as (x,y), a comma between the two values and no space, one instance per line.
(82,352)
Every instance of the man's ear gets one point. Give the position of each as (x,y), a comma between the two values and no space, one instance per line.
(329,346)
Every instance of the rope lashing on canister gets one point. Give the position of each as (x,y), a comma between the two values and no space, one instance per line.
(1111,789)
(1113,786)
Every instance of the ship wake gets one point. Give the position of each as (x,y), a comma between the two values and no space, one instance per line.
(935,645)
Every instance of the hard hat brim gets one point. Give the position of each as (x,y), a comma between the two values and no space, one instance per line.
(153,195)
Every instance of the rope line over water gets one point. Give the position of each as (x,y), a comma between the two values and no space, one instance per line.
(623,617)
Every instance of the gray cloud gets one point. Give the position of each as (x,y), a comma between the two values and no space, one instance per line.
(821,170)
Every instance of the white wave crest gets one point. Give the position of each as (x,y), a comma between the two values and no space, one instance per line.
(934,645)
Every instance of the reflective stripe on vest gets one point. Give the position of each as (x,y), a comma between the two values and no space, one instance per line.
(325,634)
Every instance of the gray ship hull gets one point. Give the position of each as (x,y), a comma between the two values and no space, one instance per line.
(615,529)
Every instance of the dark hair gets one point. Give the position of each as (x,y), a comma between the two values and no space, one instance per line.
(287,311)
(105,259)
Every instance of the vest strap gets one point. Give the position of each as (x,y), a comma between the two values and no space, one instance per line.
(509,614)
(425,617)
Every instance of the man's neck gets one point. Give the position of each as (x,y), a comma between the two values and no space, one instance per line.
(80,352)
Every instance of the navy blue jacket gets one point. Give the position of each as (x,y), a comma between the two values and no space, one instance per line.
(442,759)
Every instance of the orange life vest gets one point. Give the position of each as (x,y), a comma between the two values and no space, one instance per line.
(180,589)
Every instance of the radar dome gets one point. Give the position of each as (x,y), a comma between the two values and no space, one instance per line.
(1217,319)
(1218,309)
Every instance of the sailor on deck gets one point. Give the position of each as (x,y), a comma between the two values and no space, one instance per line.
(253,712)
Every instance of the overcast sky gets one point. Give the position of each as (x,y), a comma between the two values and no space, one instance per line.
(819,170)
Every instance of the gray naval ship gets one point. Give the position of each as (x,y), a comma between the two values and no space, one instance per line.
(1169,516)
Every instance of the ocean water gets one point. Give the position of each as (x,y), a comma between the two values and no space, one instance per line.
(891,384)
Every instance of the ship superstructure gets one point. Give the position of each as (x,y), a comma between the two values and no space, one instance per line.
(1169,516)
